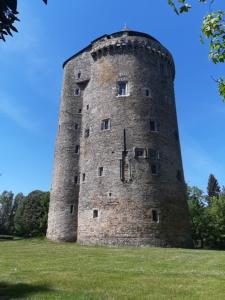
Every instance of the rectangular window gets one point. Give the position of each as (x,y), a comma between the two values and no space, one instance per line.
(88,107)
(87,132)
(100,171)
(76,179)
(76,126)
(147,92)
(77,92)
(153,154)
(71,209)
(95,213)
(154,125)
(139,152)
(122,88)
(155,216)
(83,177)
(154,169)
(77,149)
(105,124)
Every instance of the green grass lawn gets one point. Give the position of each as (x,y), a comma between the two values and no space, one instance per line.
(39,269)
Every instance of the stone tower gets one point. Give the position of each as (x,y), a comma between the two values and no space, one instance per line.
(118,176)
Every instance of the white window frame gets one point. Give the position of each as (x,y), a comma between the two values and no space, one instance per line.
(123,94)
(103,122)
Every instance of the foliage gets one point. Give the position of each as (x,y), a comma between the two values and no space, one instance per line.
(31,215)
(6,206)
(8,15)
(25,216)
(198,216)
(213,29)
(213,188)
(216,223)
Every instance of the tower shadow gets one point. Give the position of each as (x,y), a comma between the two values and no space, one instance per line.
(21,290)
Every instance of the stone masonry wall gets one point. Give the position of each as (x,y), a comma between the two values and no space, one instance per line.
(116,197)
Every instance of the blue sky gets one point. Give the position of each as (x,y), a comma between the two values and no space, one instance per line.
(31,78)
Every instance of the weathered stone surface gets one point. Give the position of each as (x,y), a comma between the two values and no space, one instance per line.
(123,203)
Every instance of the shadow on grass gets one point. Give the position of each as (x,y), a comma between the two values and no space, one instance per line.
(21,290)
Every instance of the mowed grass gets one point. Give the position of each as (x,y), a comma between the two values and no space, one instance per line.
(39,269)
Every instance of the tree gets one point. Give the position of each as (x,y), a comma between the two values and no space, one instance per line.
(213,188)
(8,15)
(216,223)
(198,216)
(213,29)
(31,215)
(6,204)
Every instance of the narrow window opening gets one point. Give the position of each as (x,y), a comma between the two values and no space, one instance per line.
(95,213)
(83,177)
(76,126)
(147,92)
(88,107)
(155,169)
(71,208)
(110,194)
(79,75)
(176,135)
(87,132)
(79,111)
(76,179)
(122,88)
(77,149)
(155,216)
(100,171)
(179,175)
(77,92)
(154,126)
(105,124)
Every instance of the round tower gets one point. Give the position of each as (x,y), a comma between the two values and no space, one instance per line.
(131,183)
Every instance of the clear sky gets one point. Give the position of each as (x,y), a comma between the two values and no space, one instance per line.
(31,77)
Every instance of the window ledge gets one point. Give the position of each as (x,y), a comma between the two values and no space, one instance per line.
(123,96)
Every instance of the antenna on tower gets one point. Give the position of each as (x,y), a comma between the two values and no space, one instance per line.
(125,28)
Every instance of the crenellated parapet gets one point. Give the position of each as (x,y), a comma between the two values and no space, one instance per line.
(127,45)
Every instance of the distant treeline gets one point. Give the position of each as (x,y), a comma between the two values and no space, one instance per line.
(207,215)
(24,215)
(27,215)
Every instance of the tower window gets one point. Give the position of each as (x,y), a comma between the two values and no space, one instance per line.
(153,154)
(154,169)
(71,208)
(154,125)
(95,213)
(77,149)
(79,75)
(122,88)
(79,111)
(87,132)
(76,126)
(179,175)
(105,124)
(76,179)
(147,92)
(139,152)
(88,107)
(100,171)
(155,216)
(83,177)
(77,92)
